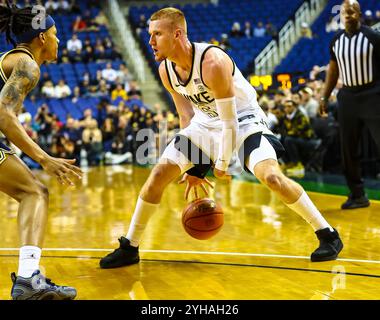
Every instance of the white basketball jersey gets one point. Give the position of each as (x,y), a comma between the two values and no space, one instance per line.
(202,98)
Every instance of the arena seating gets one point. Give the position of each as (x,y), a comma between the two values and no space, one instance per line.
(72,73)
(309,52)
(207,20)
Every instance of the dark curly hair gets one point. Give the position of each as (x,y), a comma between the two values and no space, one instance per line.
(15,20)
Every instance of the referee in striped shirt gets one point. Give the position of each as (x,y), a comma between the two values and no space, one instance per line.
(355,57)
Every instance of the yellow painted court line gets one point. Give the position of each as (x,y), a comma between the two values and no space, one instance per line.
(236,254)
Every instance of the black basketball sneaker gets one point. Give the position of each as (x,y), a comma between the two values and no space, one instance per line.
(125,255)
(330,245)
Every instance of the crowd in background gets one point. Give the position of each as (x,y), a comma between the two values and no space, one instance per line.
(293,115)
(107,134)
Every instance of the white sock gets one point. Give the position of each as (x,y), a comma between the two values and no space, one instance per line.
(29,261)
(143,211)
(307,210)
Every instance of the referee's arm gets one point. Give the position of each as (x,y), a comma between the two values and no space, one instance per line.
(331,78)
(331,81)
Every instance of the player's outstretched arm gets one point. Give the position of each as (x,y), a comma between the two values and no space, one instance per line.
(23,79)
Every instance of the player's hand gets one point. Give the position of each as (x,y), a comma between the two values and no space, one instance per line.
(63,169)
(323,108)
(222,175)
(194,183)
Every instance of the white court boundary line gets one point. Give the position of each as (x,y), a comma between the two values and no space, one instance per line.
(237,254)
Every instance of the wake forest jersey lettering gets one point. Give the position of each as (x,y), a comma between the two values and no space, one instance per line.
(202,98)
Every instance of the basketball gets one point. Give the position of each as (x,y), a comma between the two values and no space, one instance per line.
(202,218)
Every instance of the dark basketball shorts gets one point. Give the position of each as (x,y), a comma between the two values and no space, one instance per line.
(4,151)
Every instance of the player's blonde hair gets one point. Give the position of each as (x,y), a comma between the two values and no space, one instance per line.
(175,16)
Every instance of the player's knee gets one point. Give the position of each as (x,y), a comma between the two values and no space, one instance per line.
(36,190)
(41,191)
(157,176)
(273,181)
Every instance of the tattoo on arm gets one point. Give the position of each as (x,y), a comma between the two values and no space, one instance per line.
(24,77)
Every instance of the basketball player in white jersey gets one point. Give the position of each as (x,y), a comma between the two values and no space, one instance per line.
(219,117)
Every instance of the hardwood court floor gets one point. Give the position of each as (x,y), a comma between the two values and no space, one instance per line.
(262,252)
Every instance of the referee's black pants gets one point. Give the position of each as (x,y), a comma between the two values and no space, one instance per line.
(356,110)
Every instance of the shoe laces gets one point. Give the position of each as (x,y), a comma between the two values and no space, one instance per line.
(49,282)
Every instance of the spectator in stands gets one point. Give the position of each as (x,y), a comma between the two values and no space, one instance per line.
(62,90)
(79,25)
(124,76)
(332,25)
(87,115)
(45,77)
(248,32)
(100,53)
(123,139)
(270,30)
(108,133)
(267,106)
(101,19)
(306,31)
(44,120)
(24,116)
(74,7)
(214,41)
(90,22)
(109,74)
(63,7)
(368,18)
(297,99)
(102,90)
(85,88)
(377,16)
(76,56)
(48,90)
(74,43)
(92,142)
(86,77)
(64,57)
(134,91)
(279,99)
(310,104)
(71,133)
(236,30)
(299,140)
(142,24)
(87,43)
(88,55)
(225,42)
(77,94)
(95,82)
(107,43)
(51,6)
(119,92)
(259,30)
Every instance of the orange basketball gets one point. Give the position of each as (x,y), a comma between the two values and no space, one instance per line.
(202,218)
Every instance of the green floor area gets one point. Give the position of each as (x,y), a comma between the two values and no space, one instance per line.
(327,183)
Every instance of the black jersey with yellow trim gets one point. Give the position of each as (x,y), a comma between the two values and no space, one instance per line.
(3,77)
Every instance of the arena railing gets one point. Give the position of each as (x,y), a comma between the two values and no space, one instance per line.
(273,53)
(135,60)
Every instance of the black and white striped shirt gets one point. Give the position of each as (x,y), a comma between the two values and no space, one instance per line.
(357,56)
